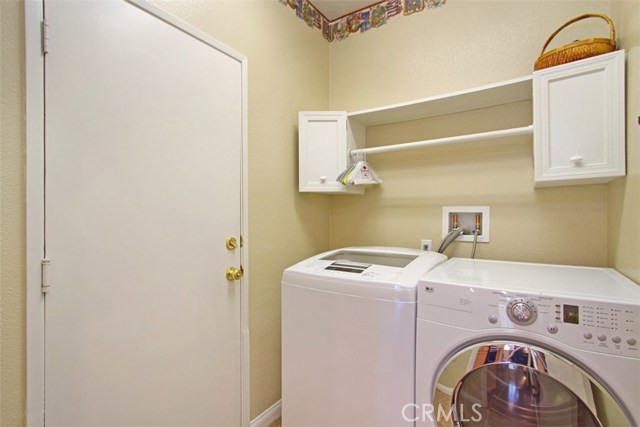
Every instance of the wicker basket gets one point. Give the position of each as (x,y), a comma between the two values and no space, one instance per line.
(580,49)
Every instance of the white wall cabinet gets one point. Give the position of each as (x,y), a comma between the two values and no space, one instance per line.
(579,122)
(325,141)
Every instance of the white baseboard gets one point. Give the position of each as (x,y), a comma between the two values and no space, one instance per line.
(267,418)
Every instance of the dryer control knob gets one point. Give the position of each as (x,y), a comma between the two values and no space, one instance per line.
(522,312)
(493,319)
(616,339)
(587,335)
(631,341)
(602,337)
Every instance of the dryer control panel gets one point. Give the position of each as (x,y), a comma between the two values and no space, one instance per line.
(589,325)
(599,326)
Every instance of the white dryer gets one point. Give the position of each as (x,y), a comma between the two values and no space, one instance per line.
(348,336)
(523,345)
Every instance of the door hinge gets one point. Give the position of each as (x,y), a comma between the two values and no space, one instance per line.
(45,274)
(44,30)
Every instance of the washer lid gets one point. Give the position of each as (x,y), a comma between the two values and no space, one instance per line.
(587,282)
(365,258)
(375,272)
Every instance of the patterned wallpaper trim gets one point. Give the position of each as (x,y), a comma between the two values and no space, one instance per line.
(359,21)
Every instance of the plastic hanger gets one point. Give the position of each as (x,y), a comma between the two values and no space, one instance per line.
(359,173)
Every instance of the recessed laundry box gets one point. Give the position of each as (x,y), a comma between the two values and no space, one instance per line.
(348,337)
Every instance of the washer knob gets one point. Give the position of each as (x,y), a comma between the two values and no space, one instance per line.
(493,319)
(602,337)
(587,335)
(552,329)
(631,341)
(616,340)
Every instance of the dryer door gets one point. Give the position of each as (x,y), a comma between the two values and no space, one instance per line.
(513,384)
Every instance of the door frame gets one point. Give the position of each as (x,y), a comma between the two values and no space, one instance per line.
(35,214)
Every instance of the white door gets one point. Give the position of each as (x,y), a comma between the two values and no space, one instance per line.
(143,187)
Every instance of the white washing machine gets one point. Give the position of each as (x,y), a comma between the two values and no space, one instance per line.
(348,336)
(523,345)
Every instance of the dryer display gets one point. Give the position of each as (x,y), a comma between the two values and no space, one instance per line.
(571,314)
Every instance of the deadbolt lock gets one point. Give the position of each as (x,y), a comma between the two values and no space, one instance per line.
(234,273)
(231,243)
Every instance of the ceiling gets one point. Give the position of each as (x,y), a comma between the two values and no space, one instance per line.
(333,9)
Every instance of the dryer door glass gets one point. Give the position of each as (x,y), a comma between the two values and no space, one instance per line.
(509,394)
(512,384)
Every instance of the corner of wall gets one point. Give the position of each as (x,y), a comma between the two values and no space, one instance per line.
(623,221)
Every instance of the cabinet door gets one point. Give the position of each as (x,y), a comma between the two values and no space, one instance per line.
(323,151)
(579,122)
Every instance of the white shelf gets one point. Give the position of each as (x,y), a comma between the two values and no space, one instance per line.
(506,92)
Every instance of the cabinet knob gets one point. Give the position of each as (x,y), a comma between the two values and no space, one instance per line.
(576,160)
(323,179)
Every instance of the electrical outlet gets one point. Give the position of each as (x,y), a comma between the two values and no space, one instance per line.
(467,221)
(426,245)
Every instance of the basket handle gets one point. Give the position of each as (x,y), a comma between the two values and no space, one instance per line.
(612,33)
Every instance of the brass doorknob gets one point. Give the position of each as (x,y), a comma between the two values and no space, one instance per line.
(234,273)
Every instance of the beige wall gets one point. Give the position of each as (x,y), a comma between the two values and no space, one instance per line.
(624,194)
(12,215)
(465,43)
(288,72)
(462,45)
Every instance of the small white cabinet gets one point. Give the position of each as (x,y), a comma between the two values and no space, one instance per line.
(579,134)
(325,141)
